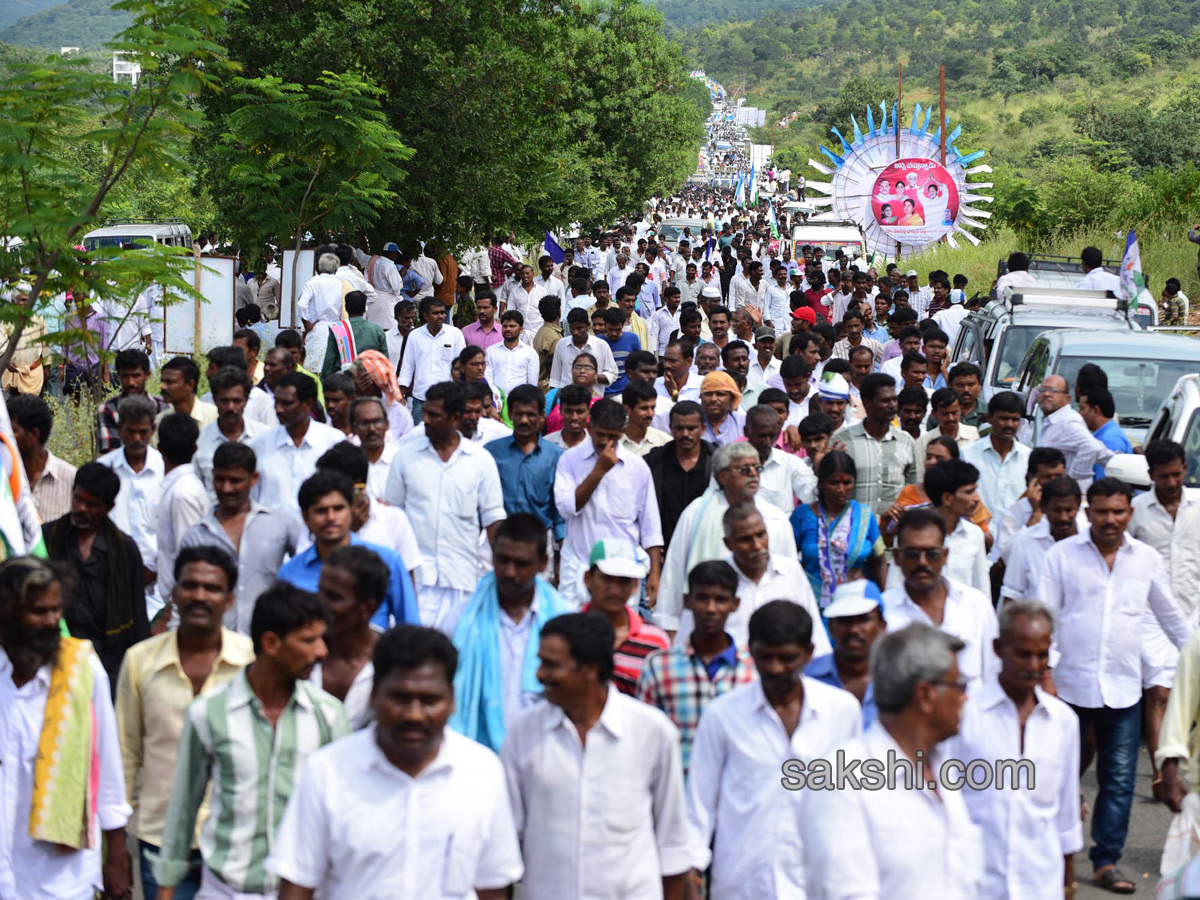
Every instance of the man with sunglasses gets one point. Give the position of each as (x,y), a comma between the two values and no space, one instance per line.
(1064,429)
(926,595)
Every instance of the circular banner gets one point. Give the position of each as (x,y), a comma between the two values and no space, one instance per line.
(915,201)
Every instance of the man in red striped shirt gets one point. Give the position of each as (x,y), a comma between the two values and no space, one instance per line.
(616,568)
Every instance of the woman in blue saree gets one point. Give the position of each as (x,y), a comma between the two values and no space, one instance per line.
(838,537)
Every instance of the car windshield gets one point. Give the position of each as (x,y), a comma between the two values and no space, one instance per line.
(672,232)
(1138,386)
(1191,447)
(1013,343)
(113,240)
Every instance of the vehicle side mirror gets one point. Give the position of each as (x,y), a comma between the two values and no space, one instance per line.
(1131,468)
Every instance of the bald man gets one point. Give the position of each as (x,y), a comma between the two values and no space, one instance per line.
(1064,429)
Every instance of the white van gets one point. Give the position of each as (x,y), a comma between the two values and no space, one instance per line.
(830,238)
(170,233)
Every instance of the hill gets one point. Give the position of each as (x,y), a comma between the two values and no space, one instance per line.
(1085,107)
(694,13)
(12,10)
(77,23)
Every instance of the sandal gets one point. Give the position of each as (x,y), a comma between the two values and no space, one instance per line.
(1111,879)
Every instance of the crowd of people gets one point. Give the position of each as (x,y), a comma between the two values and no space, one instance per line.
(610,575)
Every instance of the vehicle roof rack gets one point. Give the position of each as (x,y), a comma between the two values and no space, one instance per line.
(1100,301)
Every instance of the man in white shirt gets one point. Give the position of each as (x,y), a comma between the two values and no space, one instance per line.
(953,488)
(287,454)
(579,340)
(430,355)
(1060,518)
(1096,277)
(679,381)
(1044,464)
(744,740)
(1064,429)
(1001,459)
(354,278)
(1017,275)
(319,304)
(594,778)
(450,489)
(547,280)
(184,500)
(140,468)
(1029,814)
(383,276)
(785,479)
(927,596)
(523,296)
(404,805)
(1099,585)
(867,838)
(427,267)
(42,859)
(593,488)
(511,362)
(1168,519)
(665,321)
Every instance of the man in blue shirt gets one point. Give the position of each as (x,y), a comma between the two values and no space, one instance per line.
(854,619)
(325,500)
(622,343)
(527,461)
(1098,411)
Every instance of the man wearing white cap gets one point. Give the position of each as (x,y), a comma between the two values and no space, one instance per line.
(918,297)
(854,619)
(382,274)
(833,392)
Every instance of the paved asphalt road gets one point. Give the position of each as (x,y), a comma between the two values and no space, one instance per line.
(1143,848)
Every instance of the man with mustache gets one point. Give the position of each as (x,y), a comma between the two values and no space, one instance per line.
(159,679)
(50,832)
(855,620)
(1098,585)
(608,821)
(423,810)
(1031,828)
(259,728)
(745,737)
(107,605)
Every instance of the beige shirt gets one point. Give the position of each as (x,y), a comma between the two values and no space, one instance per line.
(153,695)
(654,438)
(28,360)
(52,490)
(203,413)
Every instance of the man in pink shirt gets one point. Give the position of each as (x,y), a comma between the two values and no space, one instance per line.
(486,331)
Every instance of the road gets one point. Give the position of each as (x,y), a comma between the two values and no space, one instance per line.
(1143,848)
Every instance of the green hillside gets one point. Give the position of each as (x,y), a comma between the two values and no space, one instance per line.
(1087,110)
(693,13)
(77,23)
(12,10)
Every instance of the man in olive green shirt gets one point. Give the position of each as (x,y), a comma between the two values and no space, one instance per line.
(367,335)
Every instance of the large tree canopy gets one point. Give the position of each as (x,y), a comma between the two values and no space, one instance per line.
(522,114)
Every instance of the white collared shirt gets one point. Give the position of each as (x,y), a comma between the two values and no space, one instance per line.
(358,698)
(388,526)
(565,353)
(447,503)
(321,299)
(1001,481)
(889,844)
(967,614)
(526,303)
(357,826)
(612,510)
(601,819)
(661,324)
(35,870)
(509,368)
(1029,827)
(1099,611)
(1065,430)
(783,580)
(136,509)
(183,503)
(283,467)
(764,374)
(1023,570)
(734,799)
(429,357)
(260,408)
(690,390)
(1177,541)
(785,478)
(377,472)
(211,438)
(967,563)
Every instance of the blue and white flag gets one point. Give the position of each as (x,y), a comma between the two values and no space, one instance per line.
(1133,282)
(554,251)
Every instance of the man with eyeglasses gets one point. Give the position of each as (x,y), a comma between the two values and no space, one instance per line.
(1064,429)
(924,843)
(369,423)
(926,595)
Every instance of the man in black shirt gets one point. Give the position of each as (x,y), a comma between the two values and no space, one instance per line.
(107,604)
(682,468)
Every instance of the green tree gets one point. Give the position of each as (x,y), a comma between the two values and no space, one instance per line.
(296,159)
(54,112)
(857,94)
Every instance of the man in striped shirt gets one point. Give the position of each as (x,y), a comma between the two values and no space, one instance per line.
(683,680)
(617,566)
(250,738)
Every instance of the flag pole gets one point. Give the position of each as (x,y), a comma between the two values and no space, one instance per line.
(899,113)
(942,130)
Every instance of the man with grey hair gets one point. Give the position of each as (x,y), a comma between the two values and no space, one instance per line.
(923,842)
(1031,826)
(700,533)
(320,304)
(619,273)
